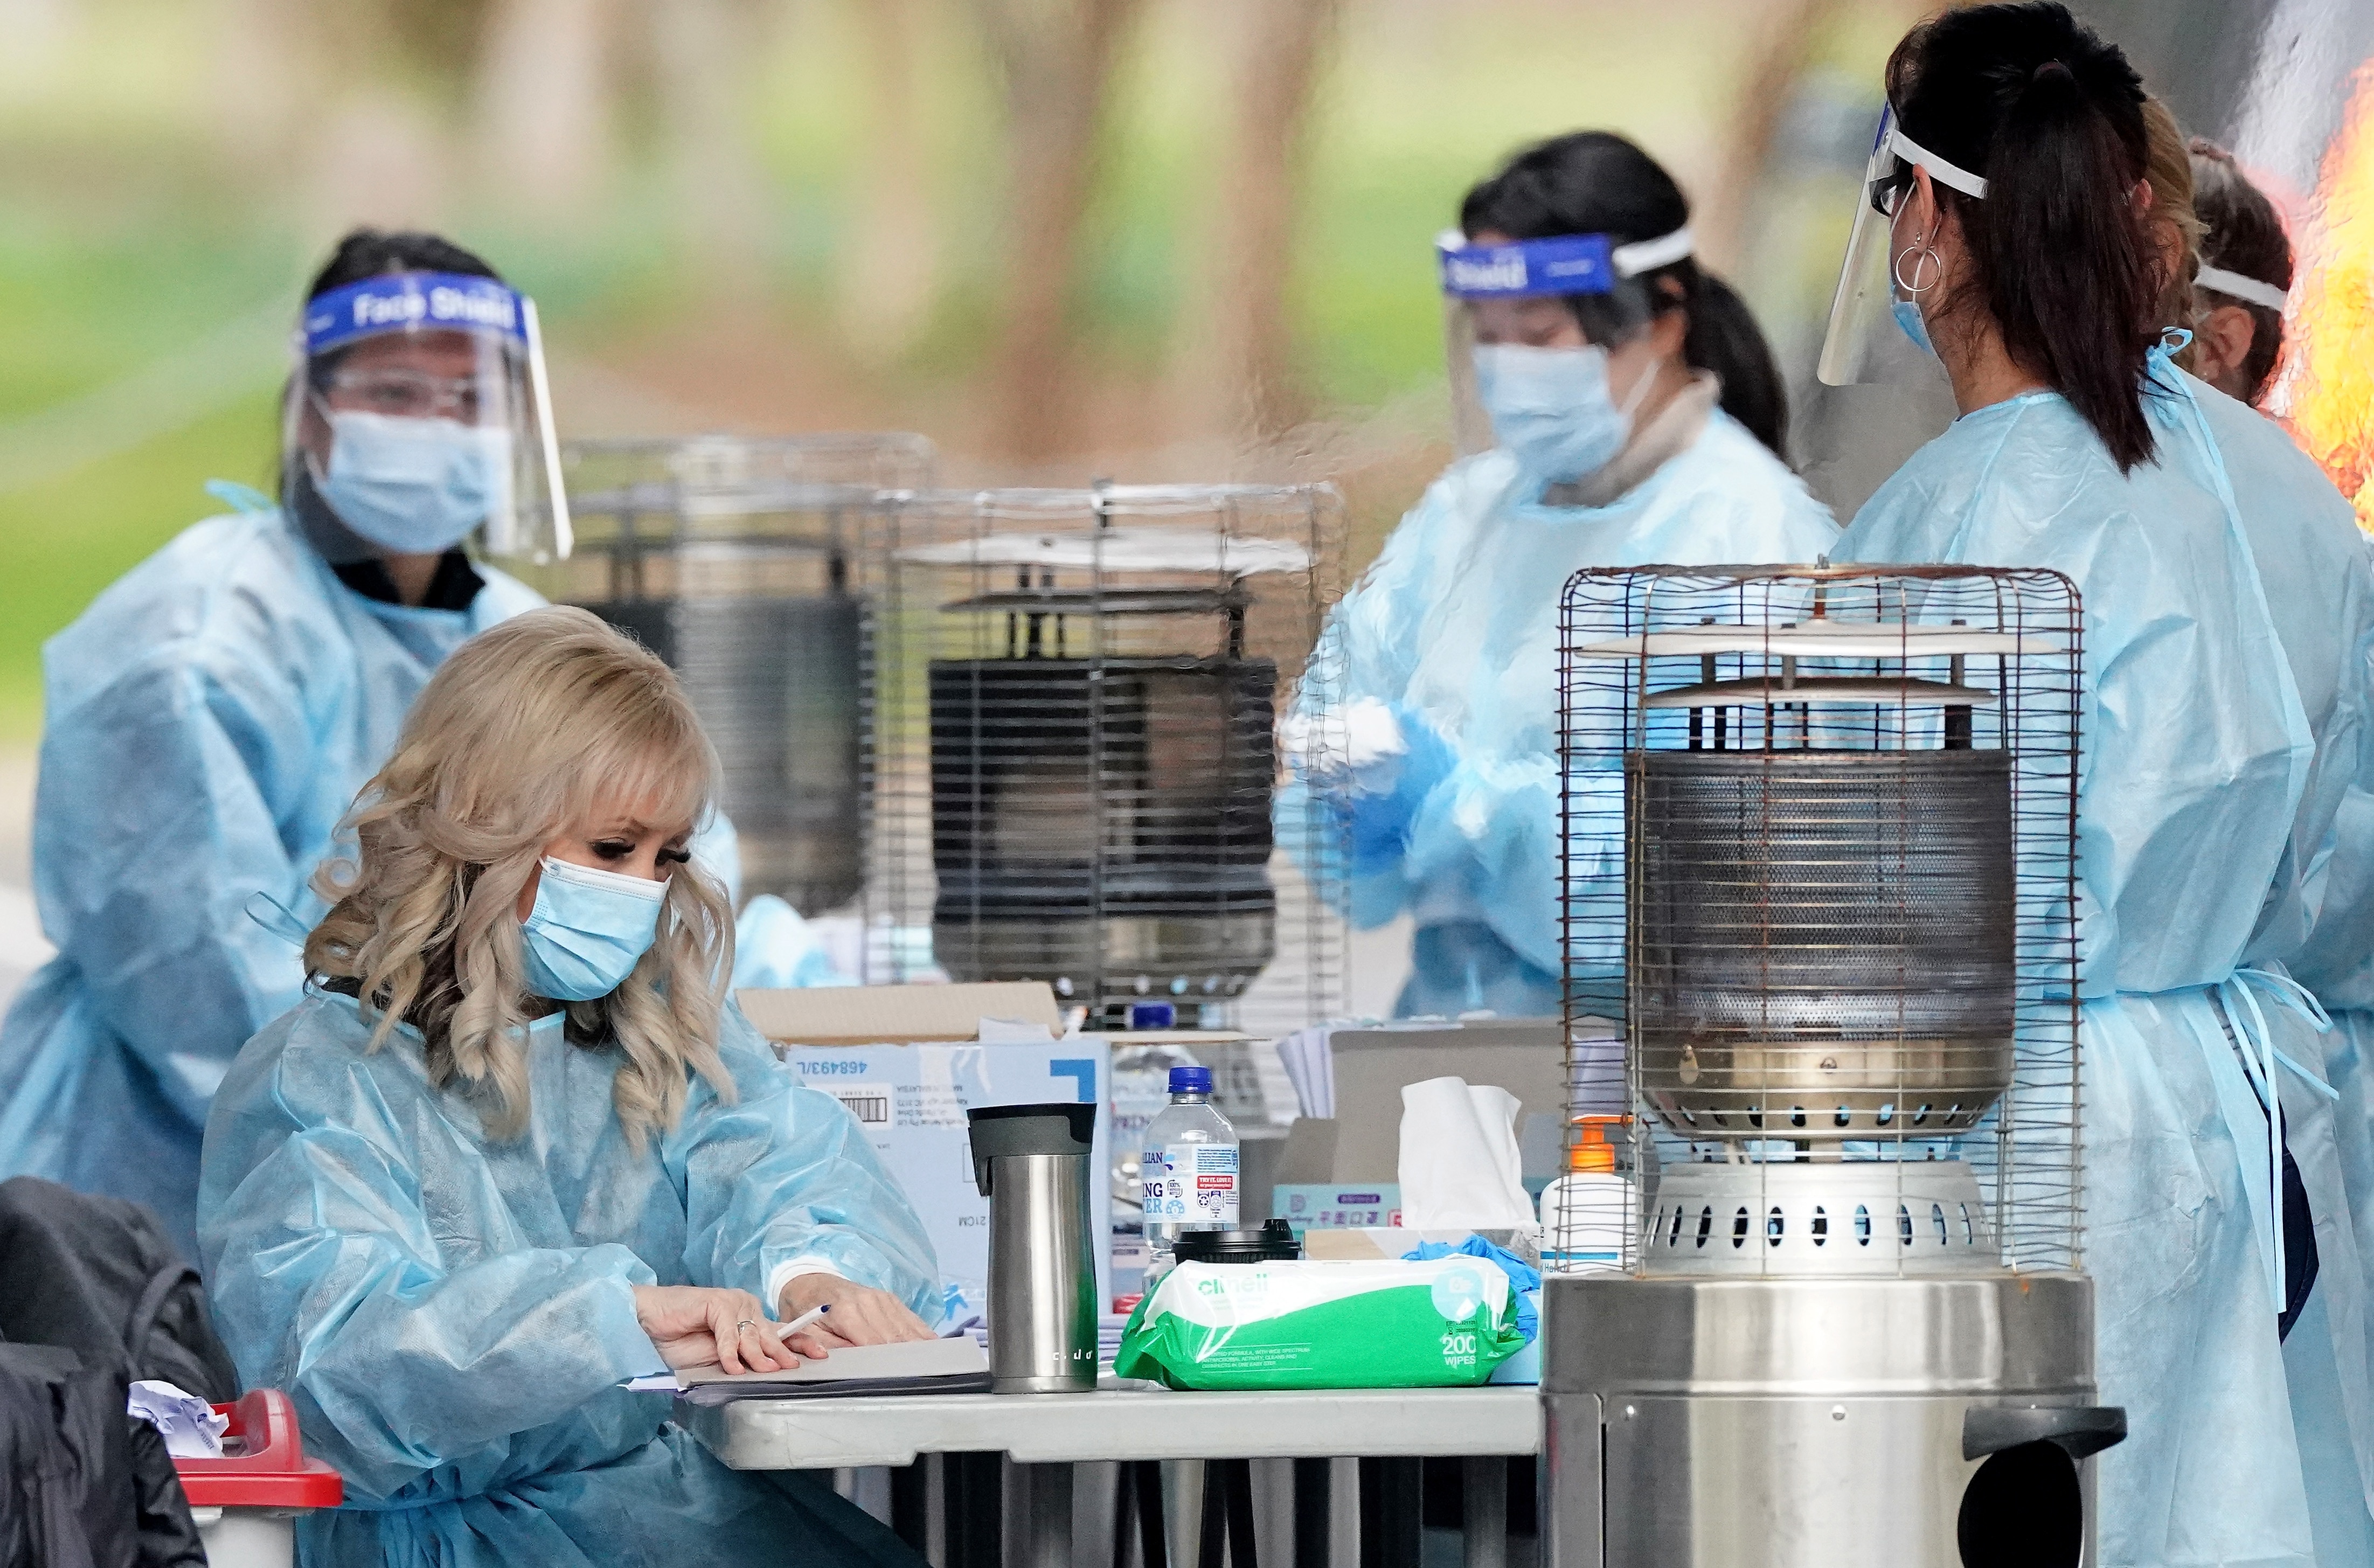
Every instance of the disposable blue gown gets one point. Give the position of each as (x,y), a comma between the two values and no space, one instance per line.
(2197,754)
(452,1314)
(1455,630)
(207,721)
(2314,562)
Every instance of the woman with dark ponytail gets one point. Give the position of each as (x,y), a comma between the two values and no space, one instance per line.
(1639,418)
(2023,248)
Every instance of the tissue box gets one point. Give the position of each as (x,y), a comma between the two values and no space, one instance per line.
(912,1101)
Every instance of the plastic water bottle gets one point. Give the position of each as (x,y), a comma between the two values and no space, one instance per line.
(1188,1169)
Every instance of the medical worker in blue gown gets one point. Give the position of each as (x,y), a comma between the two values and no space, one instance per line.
(2318,921)
(1636,418)
(212,713)
(209,717)
(515,1148)
(2009,201)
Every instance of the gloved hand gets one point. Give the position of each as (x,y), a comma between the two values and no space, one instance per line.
(1351,742)
(1384,796)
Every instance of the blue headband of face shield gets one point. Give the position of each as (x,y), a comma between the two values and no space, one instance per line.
(413,302)
(1562,264)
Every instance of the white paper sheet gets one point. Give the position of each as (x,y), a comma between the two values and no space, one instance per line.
(191,1428)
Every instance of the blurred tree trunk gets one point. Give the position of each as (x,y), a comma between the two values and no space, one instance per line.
(888,266)
(1238,348)
(544,105)
(270,65)
(39,33)
(1786,40)
(1056,59)
(703,51)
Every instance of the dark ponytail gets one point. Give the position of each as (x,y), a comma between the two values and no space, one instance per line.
(1725,340)
(2051,117)
(1597,182)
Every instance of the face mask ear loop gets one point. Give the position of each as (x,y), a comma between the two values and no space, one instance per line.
(317,470)
(1639,393)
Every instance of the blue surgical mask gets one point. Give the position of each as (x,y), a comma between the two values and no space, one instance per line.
(1553,409)
(588,930)
(416,487)
(1916,327)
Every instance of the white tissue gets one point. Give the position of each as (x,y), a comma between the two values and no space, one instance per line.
(1460,1167)
(191,1428)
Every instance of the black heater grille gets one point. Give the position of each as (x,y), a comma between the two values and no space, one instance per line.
(775,682)
(1104,823)
(1822,821)
(729,558)
(1080,704)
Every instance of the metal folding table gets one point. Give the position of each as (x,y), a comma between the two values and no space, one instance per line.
(1043,1437)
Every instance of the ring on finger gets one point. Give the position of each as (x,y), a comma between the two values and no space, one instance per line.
(745,1327)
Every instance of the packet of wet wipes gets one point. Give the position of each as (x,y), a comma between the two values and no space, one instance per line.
(1323,1324)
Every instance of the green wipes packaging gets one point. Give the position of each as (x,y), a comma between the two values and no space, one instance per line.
(1323,1324)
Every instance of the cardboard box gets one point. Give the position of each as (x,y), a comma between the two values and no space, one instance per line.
(1331,1206)
(1370,1242)
(886,1052)
(1360,1145)
(869,1015)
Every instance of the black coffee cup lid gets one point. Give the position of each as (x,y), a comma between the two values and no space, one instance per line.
(1270,1243)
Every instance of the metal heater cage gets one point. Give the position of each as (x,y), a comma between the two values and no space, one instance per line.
(1828,815)
(1071,701)
(734,558)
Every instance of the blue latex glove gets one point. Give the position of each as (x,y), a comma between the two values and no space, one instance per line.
(1379,824)
(1523,1277)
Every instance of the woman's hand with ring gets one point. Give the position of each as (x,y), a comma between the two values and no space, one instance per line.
(859,1315)
(696,1326)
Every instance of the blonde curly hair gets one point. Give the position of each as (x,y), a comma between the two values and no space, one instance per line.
(524,732)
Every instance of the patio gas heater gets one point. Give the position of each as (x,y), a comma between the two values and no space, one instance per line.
(729,558)
(1820,848)
(1075,695)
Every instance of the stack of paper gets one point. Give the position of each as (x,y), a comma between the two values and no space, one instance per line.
(920,1366)
(1310,1067)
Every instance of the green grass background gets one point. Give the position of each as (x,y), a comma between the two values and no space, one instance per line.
(127,234)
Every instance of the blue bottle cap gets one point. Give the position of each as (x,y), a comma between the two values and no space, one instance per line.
(1191,1080)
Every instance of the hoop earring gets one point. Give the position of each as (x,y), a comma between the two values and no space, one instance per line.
(1924,257)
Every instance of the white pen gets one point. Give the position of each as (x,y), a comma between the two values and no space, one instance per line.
(795,1325)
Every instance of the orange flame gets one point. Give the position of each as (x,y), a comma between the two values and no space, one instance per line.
(2330,376)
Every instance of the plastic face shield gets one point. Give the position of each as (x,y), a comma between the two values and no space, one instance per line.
(1864,342)
(437,345)
(1516,292)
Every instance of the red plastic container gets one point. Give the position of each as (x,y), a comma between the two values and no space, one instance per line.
(270,1470)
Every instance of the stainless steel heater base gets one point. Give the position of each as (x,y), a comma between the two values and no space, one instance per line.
(1774,1422)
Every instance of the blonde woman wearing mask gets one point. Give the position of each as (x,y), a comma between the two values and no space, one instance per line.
(515,1148)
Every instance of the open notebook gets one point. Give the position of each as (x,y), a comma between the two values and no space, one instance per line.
(921,1366)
